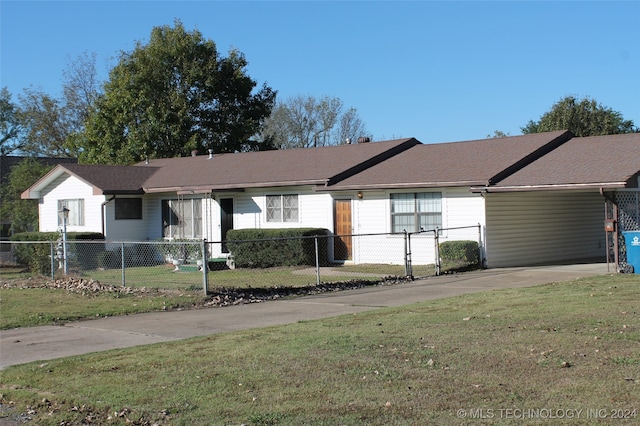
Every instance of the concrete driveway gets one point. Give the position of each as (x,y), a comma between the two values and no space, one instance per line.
(24,345)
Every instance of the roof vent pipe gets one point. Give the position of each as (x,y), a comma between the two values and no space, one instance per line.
(364,139)
(210,153)
(194,153)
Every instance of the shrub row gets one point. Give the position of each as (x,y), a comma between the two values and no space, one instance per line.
(460,252)
(38,256)
(264,248)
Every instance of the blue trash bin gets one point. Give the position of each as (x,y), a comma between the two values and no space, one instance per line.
(632,241)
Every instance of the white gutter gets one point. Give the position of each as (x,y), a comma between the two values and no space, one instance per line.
(102,212)
(554,187)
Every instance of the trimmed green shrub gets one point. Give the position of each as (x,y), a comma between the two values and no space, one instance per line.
(459,252)
(36,256)
(265,248)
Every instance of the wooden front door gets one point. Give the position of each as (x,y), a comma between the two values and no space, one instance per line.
(343,229)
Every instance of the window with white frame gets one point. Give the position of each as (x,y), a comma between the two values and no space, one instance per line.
(414,211)
(182,218)
(76,211)
(282,208)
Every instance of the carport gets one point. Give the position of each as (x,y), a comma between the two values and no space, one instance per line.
(544,227)
(572,203)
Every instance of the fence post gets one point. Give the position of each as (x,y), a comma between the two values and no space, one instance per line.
(408,272)
(122,263)
(53,261)
(315,238)
(205,267)
(480,251)
(436,239)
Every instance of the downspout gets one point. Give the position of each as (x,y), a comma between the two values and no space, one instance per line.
(606,197)
(102,212)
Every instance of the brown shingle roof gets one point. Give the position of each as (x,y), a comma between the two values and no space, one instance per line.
(308,166)
(468,163)
(537,161)
(596,162)
(105,179)
(112,179)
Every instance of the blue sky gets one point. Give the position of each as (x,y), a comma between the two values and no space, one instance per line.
(437,71)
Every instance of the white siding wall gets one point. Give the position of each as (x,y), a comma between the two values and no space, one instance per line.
(152,204)
(530,228)
(463,209)
(372,214)
(68,187)
(314,209)
(248,210)
(125,230)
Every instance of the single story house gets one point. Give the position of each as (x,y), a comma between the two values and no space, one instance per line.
(526,213)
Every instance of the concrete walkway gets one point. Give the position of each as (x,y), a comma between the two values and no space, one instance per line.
(24,345)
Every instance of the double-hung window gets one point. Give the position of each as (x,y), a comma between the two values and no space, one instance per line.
(182,218)
(76,211)
(282,208)
(417,211)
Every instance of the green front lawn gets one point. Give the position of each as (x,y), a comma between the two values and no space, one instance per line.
(484,358)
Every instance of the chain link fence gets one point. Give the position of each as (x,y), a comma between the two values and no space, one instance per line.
(201,265)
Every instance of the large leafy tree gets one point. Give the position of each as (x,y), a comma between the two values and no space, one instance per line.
(51,124)
(306,121)
(11,125)
(174,95)
(23,214)
(583,117)
(45,129)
